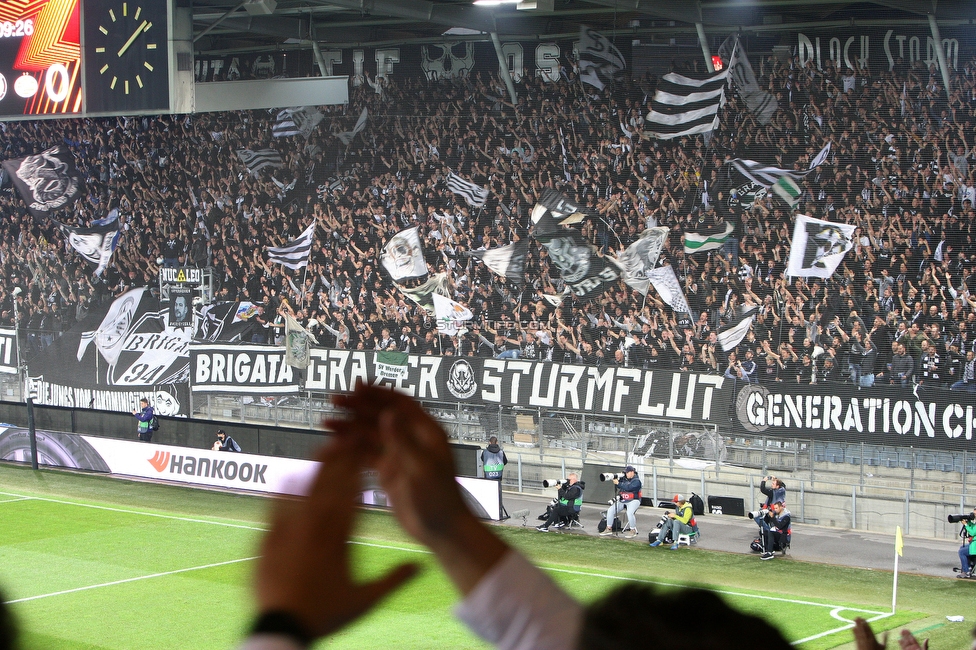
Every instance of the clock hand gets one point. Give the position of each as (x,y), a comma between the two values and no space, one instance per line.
(133,37)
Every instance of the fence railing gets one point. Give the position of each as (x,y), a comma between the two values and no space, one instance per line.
(852,486)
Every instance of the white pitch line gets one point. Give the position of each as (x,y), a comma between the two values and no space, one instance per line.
(718,591)
(137,578)
(878,615)
(840,629)
(137,512)
(17,499)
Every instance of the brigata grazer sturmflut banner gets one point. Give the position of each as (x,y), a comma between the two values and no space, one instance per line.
(895,416)
(470,380)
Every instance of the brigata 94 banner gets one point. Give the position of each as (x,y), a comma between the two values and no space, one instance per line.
(40,57)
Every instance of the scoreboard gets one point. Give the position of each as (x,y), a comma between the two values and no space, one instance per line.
(81,57)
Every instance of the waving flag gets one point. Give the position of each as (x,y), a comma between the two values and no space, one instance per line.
(641,257)
(708,239)
(296,121)
(759,102)
(507,261)
(818,247)
(256,160)
(685,104)
(475,195)
(732,334)
(347,136)
(294,254)
(403,256)
(449,314)
(666,284)
(297,343)
(46,181)
(599,59)
(95,244)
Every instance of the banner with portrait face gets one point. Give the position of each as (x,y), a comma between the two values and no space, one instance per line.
(180,306)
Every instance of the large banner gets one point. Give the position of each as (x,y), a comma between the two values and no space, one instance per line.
(880,48)
(895,416)
(120,352)
(434,61)
(238,471)
(470,380)
(8,351)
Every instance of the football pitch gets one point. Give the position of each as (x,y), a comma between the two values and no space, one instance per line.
(92,562)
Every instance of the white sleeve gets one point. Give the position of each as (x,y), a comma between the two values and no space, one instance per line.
(517,607)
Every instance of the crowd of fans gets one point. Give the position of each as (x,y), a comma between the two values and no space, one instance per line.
(901,167)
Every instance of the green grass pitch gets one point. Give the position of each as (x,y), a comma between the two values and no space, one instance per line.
(91,562)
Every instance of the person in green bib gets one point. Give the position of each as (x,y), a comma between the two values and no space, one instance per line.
(570,497)
(968,548)
(494,460)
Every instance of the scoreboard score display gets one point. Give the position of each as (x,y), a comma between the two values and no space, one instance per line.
(81,57)
(40,57)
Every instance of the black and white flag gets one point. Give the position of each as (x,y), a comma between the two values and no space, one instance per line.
(296,121)
(767,175)
(294,254)
(256,160)
(782,181)
(599,59)
(732,334)
(553,210)
(507,261)
(95,244)
(475,195)
(586,274)
(641,257)
(347,136)
(423,295)
(403,256)
(685,104)
(759,102)
(46,181)
(666,284)
(818,247)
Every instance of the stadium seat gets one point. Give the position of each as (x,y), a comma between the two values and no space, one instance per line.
(945,462)
(888,457)
(925,461)
(872,456)
(906,459)
(834,454)
(818,452)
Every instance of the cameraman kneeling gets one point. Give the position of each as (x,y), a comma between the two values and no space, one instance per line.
(570,497)
(775,528)
(678,523)
(968,534)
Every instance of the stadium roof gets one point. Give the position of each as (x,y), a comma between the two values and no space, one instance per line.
(227,26)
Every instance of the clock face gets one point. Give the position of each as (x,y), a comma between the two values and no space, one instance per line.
(126,59)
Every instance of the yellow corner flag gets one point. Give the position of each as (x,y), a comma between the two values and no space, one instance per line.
(899,542)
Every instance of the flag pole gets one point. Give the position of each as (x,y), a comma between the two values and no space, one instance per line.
(899,546)
(301,300)
(894,586)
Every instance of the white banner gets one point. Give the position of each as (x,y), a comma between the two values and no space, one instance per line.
(205,467)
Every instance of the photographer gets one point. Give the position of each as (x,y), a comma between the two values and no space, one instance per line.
(968,534)
(570,496)
(628,498)
(225,442)
(775,527)
(678,523)
(775,492)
